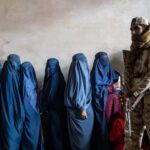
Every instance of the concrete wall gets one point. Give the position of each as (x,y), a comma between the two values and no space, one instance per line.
(40,29)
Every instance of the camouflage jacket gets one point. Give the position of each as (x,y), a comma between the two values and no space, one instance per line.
(137,71)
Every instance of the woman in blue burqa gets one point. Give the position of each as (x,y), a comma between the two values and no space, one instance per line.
(102,76)
(12,110)
(31,137)
(78,102)
(53,103)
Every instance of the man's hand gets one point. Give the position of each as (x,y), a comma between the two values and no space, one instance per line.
(83,114)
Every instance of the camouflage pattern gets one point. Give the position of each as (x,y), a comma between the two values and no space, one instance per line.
(137,80)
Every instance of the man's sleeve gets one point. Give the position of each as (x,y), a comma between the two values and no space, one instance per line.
(142,84)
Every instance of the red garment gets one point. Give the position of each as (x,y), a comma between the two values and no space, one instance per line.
(116,135)
(113,104)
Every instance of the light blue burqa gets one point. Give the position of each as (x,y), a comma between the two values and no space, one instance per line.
(77,99)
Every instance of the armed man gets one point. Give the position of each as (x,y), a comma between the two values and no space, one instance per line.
(137,81)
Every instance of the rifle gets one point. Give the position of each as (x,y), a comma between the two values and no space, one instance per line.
(128,116)
(129,108)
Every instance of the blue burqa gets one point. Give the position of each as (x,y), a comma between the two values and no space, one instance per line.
(31,138)
(12,110)
(102,76)
(77,99)
(53,103)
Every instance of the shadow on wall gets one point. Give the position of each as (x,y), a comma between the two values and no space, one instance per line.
(40,82)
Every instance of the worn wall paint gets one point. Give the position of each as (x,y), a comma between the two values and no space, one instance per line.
(40,29)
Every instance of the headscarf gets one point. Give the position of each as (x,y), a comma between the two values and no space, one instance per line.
(54,85)
(139,21)
(141,41)
(29,85)
(12,115)
(78,90)
(52,66)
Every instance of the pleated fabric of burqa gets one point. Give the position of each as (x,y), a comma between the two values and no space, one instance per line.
(53,103)
(31,137)
(12,110)
(78,98)
(102,76)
